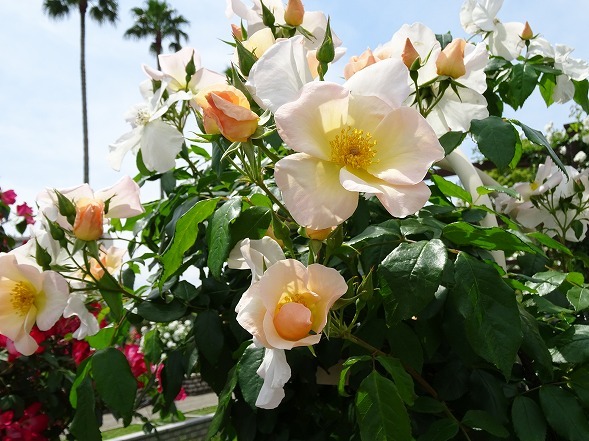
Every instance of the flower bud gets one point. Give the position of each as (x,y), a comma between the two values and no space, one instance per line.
(237,33)
(293,15)
(89,219)
(226,110)
(357,63)
(527,33)
(409,55)
(450,62)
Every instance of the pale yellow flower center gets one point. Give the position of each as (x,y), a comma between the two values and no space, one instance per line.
(142,117)
(22,298)
(353,148)
(534,185)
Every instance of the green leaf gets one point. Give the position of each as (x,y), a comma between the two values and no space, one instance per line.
(488,238)
(102,339)
(84,424)
(450,189)
(208,334)
(402,379)
(185,235)
(424,404)
(248,379)
(161,312)
(115,383)
(534,345)
(225,398)
(114,301)
(582,94)
(410,276)
(578,297)
(440,430)
(572,345)
(536,137)
(564,413)
(451,140)
(245,58)
(547,84)
(490,312)
(522,83)
(549,242)
(152,346)
(496,139)
(172,377)
(528,422)
(346,369)
(487,189)
(380,411)
(251,223)
(546,282)
(219,236)
(481,420)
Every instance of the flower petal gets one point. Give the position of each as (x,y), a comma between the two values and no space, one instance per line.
(406,147)
(119,148)
(160,144)
(124,199)
(454,113)
(329,284)
(306,124)
(56,293)
(256,255)
(312,191)
(276,372)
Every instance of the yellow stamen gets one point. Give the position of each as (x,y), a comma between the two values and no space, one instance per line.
(353,148)
(534,185)
(22,298)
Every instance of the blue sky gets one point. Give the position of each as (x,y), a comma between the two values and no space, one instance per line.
(40,126)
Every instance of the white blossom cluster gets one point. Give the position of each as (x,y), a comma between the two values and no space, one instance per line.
(171,334)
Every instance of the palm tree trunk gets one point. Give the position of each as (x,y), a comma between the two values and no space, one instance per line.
(83,7)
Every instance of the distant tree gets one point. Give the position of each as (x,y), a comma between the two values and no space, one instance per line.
(101,11)
(158,21)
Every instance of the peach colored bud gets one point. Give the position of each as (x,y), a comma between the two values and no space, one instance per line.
(236,31)
(226,110)
(319,234)
(294,13)
(270,234)
(293,321)
(409,54)
(110,259)
(357,63)
(527,33)
(89,219)
(450,62)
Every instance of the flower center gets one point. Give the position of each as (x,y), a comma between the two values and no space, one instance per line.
(534,185)
(22,298)
(353,148)
(142,117)
(293,316)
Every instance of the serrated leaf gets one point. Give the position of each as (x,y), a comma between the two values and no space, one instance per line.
(536,137)
(251,223)
(402,379)
(248,379)
(450,189)
(549,242)
(440,430)
(490,312)
(581,96)
(564,413)
(487,189)
(410,276)
(547,84)
(160,311)
(172,377)
(84,424)
(208,334)
(184,235)
(534,345)
(528,422)
(225,398)
(346,369)
(380,411)
(451,140)
(523,80)
(219,235)
(488,238)
(481,420)
(114,381)
(496,139)
(573,345)
(578,297)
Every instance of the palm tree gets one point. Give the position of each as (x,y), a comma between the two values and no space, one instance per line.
(101,11)
(158,21)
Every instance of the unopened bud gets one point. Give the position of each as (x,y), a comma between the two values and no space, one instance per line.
(319,234)
(359,62)
(89,221)
(236,31)
(527,33)
(450,62)
(409,55)
(294,13)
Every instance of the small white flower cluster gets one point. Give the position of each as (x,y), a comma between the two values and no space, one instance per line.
(171,334)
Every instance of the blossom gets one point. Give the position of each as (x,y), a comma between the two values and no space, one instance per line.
(359,62)
(294,13)
(8,197)
(118,201)
(158,141)
(226,110)
(27,297)
(354,139)
(258,255)
(173,72)
(25,211)
(110,259)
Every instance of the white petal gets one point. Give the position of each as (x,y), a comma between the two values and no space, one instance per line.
(454,113)
(88,323)
(124,199)
(256,255)
(56,292)
(276,372)
(505,40)
(564,90)
(160,144)
(117,150)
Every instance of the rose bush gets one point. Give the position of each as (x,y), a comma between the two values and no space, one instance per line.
(384,300)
